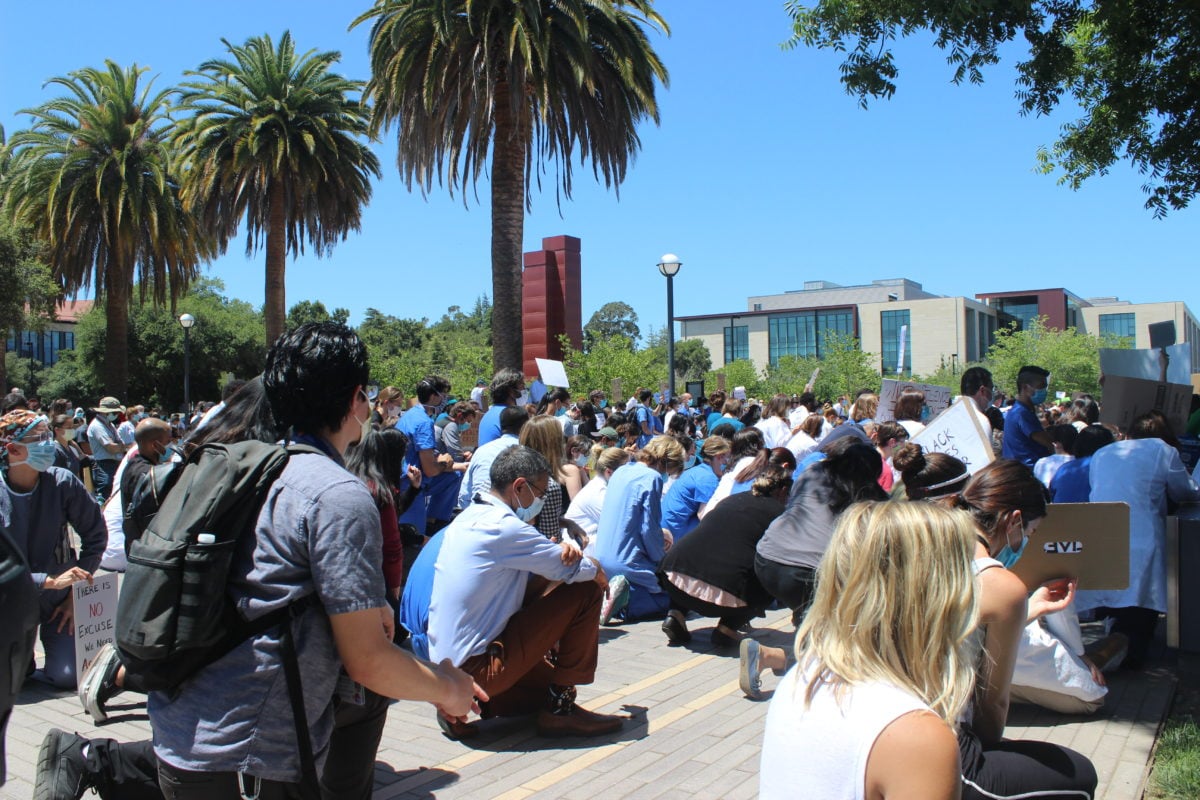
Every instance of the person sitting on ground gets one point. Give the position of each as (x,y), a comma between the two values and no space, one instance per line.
(1064,436)
(866,405)
(688,496)
(883,663)
(504,596)
(544,435)
(389,406)
(506,388)
(37,503)
(477,477)
(1072,482)
(888,436)
(587,506)
(924,475)
(774,424)
(746,445)
(448,436)
(805,438)
(631,538)
(711,571)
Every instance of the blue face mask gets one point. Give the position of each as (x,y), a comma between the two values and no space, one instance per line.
(1009,557)
(604,404)
(40,455)
(527,514)
(560,412)
(464,426)
(1038,397)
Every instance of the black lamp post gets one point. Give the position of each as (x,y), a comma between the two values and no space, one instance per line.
(669,266)
(186,321)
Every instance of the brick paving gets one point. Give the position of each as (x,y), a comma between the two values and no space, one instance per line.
(691,734)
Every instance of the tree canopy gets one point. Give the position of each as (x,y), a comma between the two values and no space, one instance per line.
(612,319)
(1131,67)
(27,288)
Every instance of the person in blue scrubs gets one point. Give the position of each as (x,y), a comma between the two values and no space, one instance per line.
(417,425)
(1072,483)
(506,387)
(1025,439)
(693,489)
(631,540)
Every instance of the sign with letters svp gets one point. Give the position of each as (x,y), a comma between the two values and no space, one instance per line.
(95,618)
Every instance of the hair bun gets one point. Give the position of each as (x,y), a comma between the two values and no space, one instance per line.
(909,458)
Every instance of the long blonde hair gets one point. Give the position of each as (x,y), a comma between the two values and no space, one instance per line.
(545,435)
(895,603)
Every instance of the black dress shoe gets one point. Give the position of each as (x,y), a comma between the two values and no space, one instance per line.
(676,631)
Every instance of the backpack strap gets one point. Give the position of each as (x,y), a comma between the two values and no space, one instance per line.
(291,670)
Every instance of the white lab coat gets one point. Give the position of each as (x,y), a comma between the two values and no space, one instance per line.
(1143,473)
(775,432)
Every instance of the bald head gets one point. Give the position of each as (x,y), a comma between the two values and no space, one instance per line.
(152,432)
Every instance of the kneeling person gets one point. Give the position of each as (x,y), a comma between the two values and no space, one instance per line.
(516,611)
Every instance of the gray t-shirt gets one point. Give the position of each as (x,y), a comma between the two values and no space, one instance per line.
(798,537)
(318,531)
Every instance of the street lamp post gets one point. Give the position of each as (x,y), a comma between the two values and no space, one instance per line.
(186,321)
(669,266)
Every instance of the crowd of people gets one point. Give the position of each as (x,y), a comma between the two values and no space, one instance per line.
(465,551)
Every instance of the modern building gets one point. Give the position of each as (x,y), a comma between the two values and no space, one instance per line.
(897,319)
(59,334)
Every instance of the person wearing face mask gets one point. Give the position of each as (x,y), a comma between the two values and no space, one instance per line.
(107,447)
(389,407)
(504,596)
(68,455)
(126,429)
(37,502)
(440,484)
(1025,439)
(449,435)
(688,496)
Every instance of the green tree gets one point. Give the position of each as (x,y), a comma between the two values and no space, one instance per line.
(1128,65)
(524,83)
(612,319)
(692,358)
(315,311)
(845,367)
(27,288)
(736,373)
(1072,357)
(609,359)
(91,178)
(273,138)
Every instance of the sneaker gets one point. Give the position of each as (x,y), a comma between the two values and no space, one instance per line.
(61,769)
(616,597)
(99,682)
(750,669)
(1108,653)
(676,630)
(577,722)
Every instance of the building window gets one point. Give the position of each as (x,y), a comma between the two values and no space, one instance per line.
(758,306)
(1023,309)
(972,337)
(891,323)
(1122,326)
(805,333)
(737,343)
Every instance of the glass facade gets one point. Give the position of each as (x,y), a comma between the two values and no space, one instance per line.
(890,324)
(737,343)
(1123,326)
(803,333)
(1023,309)
(44,347)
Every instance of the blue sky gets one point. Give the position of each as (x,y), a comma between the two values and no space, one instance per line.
(762,175)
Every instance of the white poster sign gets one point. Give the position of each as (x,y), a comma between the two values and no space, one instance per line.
(553,373)
(903,343)
(1146,365)
(956,432)
(95,607)
(937,398)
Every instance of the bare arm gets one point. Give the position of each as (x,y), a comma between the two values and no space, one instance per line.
(1043,438)
(915,758)
(1003,612)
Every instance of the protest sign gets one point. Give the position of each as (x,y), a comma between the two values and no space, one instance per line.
(1088,541)
(1126,399)
(739,392)
(1147,364)
(617,397)
(553,373)
(1162,334)
(95,609)
(937,398)
(957,433)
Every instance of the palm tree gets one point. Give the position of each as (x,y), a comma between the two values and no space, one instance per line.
(272,137)
(91,178)
(533,80)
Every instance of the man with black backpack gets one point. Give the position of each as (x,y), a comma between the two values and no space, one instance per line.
(240,724)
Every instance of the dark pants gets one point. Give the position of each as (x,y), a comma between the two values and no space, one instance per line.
(732,618)
(180,784)
(1023,769)
(790,585)
(1139,624)
(123,770)
(349,772)
(103,471)
(516,671)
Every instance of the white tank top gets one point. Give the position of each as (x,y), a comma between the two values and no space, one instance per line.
(821,751)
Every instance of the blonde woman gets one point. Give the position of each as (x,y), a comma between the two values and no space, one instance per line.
(885,662)
(586,506)
(545,435)
(389,405)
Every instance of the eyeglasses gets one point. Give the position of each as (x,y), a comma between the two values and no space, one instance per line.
(36,438)
(533,488)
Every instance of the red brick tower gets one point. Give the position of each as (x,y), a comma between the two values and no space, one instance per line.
(551,301)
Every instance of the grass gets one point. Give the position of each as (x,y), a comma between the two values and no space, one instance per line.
(1176,774)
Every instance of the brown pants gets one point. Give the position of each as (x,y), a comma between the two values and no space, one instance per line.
(517,668)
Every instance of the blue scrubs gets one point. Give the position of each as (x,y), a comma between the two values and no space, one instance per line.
(629,539)
(1020,423)
(489,425)
(691,490)
(1072,483)
(418,591)
(418,427)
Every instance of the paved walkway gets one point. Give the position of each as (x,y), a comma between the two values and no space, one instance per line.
(692,734)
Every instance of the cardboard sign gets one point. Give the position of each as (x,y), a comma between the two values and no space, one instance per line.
(616,391)
(95,608)
(1147,364)
(1162,334)
(1088,541)
(956,432)
(937,398)
(739,392)
(1125,399)
(812,380)
(553,373)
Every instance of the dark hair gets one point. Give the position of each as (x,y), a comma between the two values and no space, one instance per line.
(644,395)
(746,442)
(1028,373)
(512,419)
(853,468)
(779,456)
(587,412)
(1091,439)
(12,402)
(771,480)
(716,400)
(431,385)
(809,401)
(506,386)
(885,431)
(973,380)
(1082,409)
(683,424)
(577,442)
(517,462)
(725,430)
(246,417)
(753,415)
(616,419)
(560,394)
(685,441)
(311,374)
(1064,434)
(1153,425)
(60,406)
(1000,487)
(232,387)
(920,471)
(909,405)
(378,461)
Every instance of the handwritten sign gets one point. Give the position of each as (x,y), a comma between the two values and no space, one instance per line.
(553,373)
(95,607)
(957,433)
(937,398)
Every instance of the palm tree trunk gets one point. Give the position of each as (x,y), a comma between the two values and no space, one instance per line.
(4,387)
(274,297)
(508,228)
(116,336)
